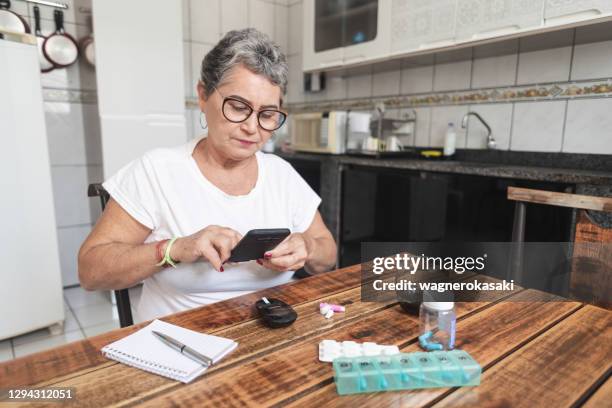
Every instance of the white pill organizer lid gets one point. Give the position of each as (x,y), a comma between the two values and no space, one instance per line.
(331,349)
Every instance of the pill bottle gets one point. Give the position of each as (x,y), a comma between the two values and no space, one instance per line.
(438,321)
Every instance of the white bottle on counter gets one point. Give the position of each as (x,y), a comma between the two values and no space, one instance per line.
(450,140)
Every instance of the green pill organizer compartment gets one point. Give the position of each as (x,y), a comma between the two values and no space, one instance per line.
(405,371)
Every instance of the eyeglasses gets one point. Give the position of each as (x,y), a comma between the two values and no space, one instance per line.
(237,111)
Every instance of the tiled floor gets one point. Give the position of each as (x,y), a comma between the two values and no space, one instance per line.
(87,314)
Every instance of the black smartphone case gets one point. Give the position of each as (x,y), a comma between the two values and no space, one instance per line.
(256,243)
(276,313)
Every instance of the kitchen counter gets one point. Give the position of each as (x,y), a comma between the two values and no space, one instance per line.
(525,172)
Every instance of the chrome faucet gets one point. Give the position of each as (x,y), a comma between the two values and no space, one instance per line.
(491,143)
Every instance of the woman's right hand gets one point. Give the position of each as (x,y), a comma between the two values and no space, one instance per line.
(213,243)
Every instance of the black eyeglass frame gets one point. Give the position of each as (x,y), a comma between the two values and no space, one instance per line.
(229,98)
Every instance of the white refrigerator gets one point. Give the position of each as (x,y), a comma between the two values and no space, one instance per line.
(30,277)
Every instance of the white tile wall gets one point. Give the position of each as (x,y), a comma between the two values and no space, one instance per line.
(545,58)
(336,85)
(198,51)
(281,26)
(70,240)
(262,15)
(386,79)
(422,127)
(72,206)
(295,31)
(417,79)
(452,75)
(494,71)
(440,118)
(589,126)
(538,126)
(204,20)
(73,132)
(233,15)
(499,118)
(360,85)
(295,85)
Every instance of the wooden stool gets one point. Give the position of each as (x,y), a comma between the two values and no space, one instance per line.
(588,282)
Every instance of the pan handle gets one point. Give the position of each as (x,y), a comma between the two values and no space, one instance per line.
(37,29)
(58,16)
(5,4)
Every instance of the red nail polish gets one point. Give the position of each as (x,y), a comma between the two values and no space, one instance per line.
(221,269)
(268,256)
(259,262)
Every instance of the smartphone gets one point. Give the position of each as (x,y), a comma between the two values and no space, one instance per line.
(256,243)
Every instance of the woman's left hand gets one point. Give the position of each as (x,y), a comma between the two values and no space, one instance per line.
(289,255)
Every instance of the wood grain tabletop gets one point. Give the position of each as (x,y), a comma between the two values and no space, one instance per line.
(535,350)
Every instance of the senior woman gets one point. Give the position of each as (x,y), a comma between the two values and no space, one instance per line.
(194,202)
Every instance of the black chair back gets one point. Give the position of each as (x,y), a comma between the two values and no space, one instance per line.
(122,296)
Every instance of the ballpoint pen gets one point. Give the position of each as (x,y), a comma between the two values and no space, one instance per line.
(184,349)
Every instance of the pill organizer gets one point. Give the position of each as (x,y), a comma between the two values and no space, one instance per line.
(405,371)
(329,350)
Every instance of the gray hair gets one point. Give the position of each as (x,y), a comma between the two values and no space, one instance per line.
(250,47)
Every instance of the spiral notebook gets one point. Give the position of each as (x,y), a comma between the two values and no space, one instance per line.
(145,351)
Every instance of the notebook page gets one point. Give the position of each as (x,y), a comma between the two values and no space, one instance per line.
(144,350)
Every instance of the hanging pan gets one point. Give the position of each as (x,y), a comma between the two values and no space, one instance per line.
(60,48)
(45,64)
(86,44)
(11,21)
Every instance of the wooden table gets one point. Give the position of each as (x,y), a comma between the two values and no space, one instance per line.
(534,353)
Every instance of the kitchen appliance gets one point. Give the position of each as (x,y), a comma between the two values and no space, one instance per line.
(31,289)
(319,132)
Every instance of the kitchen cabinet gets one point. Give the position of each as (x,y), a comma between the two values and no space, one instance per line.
(567,11)
(488,19)
(419,25)
(340,32)
(410,27)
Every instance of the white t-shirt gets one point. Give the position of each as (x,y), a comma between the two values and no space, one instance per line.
(166,191)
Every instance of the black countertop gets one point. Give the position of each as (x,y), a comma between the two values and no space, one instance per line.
(476,168)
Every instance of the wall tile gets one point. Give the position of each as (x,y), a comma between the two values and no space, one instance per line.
(592,60)
(422,127)
(440,118)
(72,206)
(499,117)
(73,133)
(70,241)
(205,17)
(417,79)
(198,52)
(452,76)
(589,126)
(234,15)
(538,126)
(186,20)
(386,79)
(295,91)
(360,85)
(189,90)
(537,54)
(296,18)
(281,27)
(495,64)
(336,85)
(261,16)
